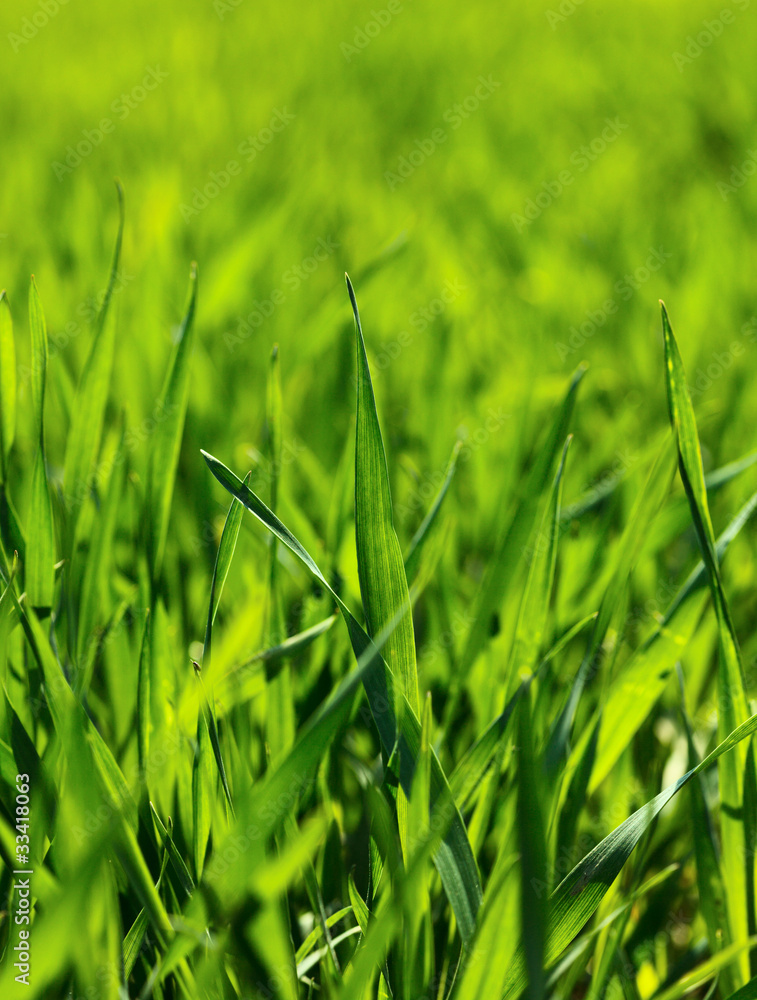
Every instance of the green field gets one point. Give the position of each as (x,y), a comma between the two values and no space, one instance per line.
(334,652)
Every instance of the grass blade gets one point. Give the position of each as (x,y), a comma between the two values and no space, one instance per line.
(167,437)
(454,858)
(732,705)
(88,412)
(581,891)
(40,556)
(7,384)
(383,583)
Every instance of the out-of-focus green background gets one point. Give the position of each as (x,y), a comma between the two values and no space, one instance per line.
(522,217)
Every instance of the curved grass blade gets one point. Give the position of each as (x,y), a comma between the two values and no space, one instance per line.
(421,536)
(732,704)
(383,583)
(513,541)
(454,858)
(88,411)
(533,854)
(280,715)
(167,436)
(647,504)
(709,876)
(7,384)
(644,677)
(40,555)
(581,891)
(534,608)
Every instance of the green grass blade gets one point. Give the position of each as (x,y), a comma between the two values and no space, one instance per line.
(144,721)
(709,876)
(40,551)
(383,583)
(513,541)
(88,413)
(732,705)
(280,714)
(425,529)
(581,891)
(647,504)
(533,854)
(641,680)
(7,384)
(454,858)
(166,440)
(534,607)
(203,787)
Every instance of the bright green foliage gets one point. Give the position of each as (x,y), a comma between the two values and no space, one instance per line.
(414,728)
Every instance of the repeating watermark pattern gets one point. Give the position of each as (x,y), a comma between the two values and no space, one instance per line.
(721,361)
(121,108)
(102,470)
(22,882)
(247,150)
(291,280)
(624,290)
(419,320)
(363,37)
(224,7)
(582,158)
(87,311)
(711,30)
(739,175)
(31,26)
(565,10)
(454,116)
(424,491)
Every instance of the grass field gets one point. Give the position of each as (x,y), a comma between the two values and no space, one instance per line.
(388,638)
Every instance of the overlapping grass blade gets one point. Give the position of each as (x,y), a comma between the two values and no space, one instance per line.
(88,412)
(514,539)
(732,705)
(454,858)
(426,527)
(629,547)
(581,891)
(280,720)
(533,854)
(642,679)
(383,583)
(7,384)
(709,876)
(40,550)
(166,442)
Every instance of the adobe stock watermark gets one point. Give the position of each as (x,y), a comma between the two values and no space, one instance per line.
(363,37)
(425,490)
(721,361)
(121,108)
(247,150)
(564,10)
(224,7)
(712,29)
(419,320)
(291,280)
(739,175)
(454,116)
(87,311)
(624,290)
(582,158)
(31,26)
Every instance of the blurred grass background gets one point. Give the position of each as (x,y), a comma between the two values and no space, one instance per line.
(498,234)
(500,350)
